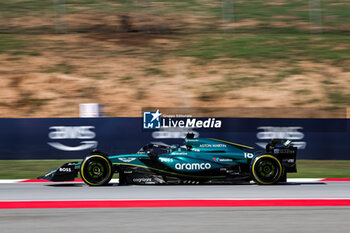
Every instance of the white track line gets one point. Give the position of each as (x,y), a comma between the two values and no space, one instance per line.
(300,180)
(11,181)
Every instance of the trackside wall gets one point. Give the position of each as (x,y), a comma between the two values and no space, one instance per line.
(71,138)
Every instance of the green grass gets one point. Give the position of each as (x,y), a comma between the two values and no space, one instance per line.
(302,92)
(29,169)
(27,99)
(17,46)
(126,79)
(322,169)
(10,43)
(308,101)
(261,41)
(63,67)
(328,82)
(153,71)
(206,96)
(288,12)
(339,98)
(268,46)
(286,73)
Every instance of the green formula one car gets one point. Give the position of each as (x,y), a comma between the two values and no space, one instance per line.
(198,161)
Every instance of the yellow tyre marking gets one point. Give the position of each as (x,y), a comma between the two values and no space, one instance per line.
(266,156)
(82,169)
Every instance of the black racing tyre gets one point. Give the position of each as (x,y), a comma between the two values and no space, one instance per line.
(283,177)
(96,170)
(266,169)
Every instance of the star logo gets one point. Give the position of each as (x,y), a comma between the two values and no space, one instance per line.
(156,115)
(151,120)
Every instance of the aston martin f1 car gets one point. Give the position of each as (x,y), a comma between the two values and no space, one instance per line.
(198,161)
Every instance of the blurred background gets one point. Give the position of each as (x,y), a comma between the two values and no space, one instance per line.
(259,60)
(128,54)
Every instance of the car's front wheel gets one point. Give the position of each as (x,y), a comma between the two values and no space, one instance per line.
(266,169)
(96,170)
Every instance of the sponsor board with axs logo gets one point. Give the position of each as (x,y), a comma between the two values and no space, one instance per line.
(62,133)
(293,133)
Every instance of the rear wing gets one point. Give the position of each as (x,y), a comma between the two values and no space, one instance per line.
(283,150)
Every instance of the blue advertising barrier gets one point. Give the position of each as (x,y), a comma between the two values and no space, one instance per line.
(74,138)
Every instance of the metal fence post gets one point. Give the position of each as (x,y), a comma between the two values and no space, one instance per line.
(315,15)
(227,14)
(60,16)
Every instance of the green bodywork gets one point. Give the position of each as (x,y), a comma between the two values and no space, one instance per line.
(198,158)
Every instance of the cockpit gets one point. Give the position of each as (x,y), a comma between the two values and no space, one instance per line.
(161,148)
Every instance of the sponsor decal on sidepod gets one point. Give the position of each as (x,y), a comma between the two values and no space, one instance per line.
(127,160)
(192,166)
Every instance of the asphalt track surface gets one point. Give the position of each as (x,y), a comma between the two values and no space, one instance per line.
(178,219)
(80,191)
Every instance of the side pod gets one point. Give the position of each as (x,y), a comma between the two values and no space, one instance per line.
(66,172)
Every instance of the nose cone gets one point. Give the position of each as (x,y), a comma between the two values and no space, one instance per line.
(67,172)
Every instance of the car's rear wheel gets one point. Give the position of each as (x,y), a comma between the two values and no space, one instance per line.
(96,170)
(266,169)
